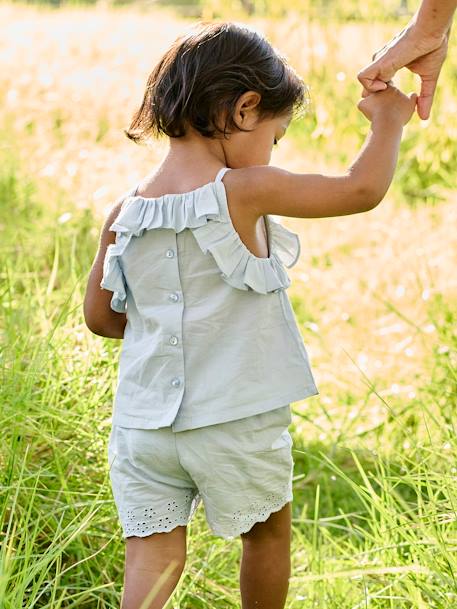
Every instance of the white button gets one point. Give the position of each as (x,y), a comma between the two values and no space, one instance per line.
(173,296)
(173,340)
(176,382)
(169,253)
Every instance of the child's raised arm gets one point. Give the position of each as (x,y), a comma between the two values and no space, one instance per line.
(276,191)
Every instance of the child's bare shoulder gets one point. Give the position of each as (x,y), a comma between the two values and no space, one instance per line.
(253,186)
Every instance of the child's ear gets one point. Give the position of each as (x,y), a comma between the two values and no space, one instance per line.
(247,104)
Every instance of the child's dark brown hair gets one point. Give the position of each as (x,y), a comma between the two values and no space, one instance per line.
(203,74)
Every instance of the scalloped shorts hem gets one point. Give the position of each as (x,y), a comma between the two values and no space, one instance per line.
(249,520)
(240,470)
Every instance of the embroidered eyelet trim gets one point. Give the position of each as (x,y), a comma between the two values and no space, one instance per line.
(141,521)
(244,520)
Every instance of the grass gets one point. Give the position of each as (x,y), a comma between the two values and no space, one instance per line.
(374,511)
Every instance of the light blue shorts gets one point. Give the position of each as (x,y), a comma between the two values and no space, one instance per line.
(241,469)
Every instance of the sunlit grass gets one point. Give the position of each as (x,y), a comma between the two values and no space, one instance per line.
(374,516)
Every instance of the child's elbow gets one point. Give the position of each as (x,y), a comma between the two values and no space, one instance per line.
(93,324)
(368,197)
(102,329)
(112,326)
(102,320)
(373,201)
(92,317)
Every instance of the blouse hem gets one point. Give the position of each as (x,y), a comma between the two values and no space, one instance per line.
(231,414)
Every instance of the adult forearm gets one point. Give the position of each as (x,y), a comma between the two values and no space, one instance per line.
(434,17)
(374,167)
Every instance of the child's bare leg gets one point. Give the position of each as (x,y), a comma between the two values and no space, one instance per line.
(265,563)
(146,560)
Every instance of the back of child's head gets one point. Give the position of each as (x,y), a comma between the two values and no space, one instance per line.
(200,77)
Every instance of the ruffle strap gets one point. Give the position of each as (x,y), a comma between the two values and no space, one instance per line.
(168,211)
(284,242)
(138,214)
(239,267)
(113,278)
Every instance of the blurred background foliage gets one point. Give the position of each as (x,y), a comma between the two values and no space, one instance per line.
(349,10)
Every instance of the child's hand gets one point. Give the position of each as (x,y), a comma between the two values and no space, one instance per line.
(390,103)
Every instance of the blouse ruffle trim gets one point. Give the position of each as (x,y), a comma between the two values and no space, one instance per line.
(113,277)
(239,267)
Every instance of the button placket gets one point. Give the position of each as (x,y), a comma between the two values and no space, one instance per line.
(173,339)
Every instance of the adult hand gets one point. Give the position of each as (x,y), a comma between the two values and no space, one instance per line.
(423,55)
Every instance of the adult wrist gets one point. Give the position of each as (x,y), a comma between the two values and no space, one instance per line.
(424,36)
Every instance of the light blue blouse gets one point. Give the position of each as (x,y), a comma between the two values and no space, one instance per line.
(211,335)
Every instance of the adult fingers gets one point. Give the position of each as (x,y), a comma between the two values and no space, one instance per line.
(385,62)
(374,76)
(366,92)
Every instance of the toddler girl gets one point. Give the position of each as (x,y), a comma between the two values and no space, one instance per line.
(193,268)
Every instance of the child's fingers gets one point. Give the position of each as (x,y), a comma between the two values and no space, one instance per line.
(413,102)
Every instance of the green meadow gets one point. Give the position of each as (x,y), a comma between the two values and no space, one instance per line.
(374,294)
